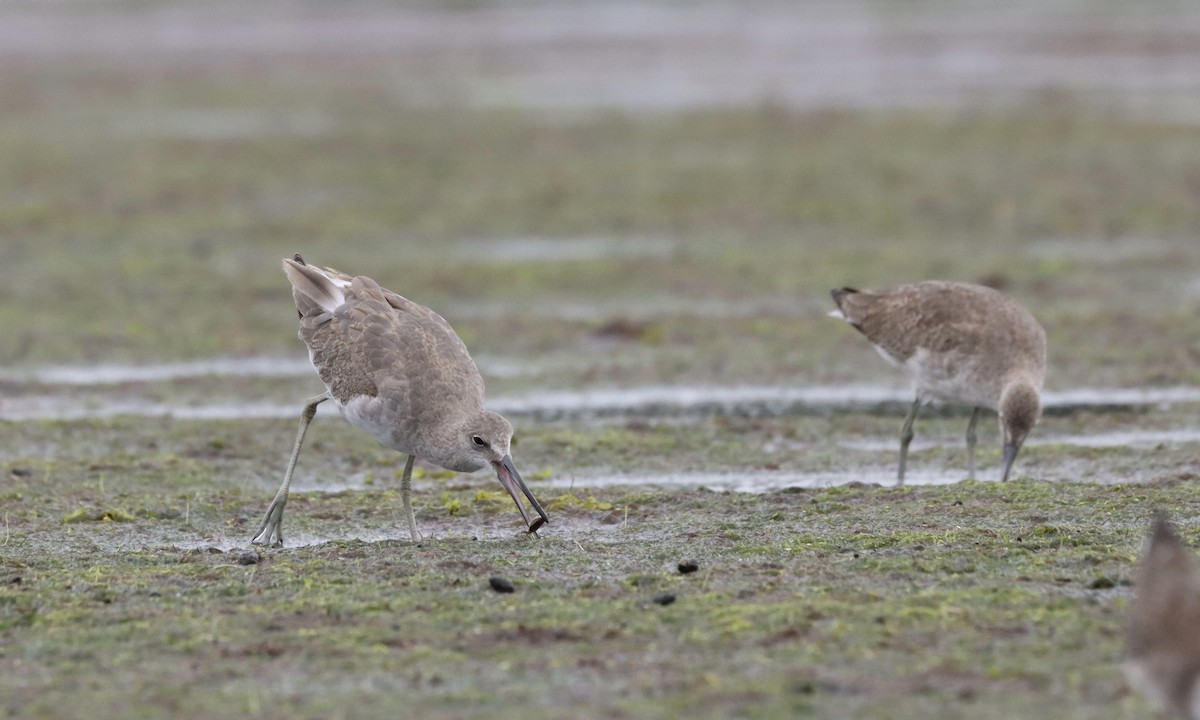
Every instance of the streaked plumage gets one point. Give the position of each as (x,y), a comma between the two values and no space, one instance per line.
(962,344)
(1164,625)
(397,370)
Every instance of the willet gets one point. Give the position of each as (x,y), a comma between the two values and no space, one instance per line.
(397,370)
(1164,627)
(962,344)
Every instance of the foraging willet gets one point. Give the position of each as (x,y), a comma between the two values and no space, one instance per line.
(399,371)
(963,344)
(1164,626)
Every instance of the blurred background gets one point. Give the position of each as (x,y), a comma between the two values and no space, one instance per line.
(633,213)
(595,194)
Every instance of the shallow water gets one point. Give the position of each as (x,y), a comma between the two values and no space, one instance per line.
(349,531)
(757,481)
(49,407)
(235,367)
(769,400)
(1126,438)
(470,526)
(111,374)
(646,401)
(753,481)
(467,527)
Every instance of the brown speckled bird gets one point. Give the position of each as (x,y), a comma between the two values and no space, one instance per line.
(962,344)
(1164,625)
(397,370)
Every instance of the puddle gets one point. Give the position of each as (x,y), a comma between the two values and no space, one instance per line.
(669,400)
(58,408)
(757,481)
(768,401)
(242,542)
(266,367)
(1132,438)
(459,528)
(648,401)
(753,481)
(473,528)
(115,374)
(468,528)
(1116,397)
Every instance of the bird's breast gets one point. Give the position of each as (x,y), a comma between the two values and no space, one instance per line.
(951,378)
(367,413)
(464,466)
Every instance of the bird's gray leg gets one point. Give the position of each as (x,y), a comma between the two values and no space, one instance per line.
(270,532)
(406,496)
(906,436)
(971,444)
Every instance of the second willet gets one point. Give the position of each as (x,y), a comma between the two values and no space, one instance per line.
(961,343)
(399,371)
(1164,625)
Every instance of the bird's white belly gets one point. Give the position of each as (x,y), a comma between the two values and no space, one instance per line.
(938,379)
(368,414)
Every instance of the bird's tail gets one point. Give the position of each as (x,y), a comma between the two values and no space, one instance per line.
(312,288)
(839,295)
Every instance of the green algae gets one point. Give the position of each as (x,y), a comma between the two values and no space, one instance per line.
(869,610)
(976,598)
(764,237)
(571,501)
(86,515)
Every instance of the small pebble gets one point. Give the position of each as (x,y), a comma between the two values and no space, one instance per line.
(248,558)
(688,566)
(665,598)
(21,471)
(500,585)
(1102,583)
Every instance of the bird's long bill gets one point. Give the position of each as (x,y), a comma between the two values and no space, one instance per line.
(1010,455)
(512,482)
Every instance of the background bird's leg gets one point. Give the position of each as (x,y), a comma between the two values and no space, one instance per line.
(971,444)
(272,524)
(406,496)
(906,436)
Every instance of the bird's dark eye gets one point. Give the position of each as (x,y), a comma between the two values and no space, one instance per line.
(479,441)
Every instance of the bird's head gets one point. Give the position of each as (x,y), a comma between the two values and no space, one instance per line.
(1020,410)
(483,440)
